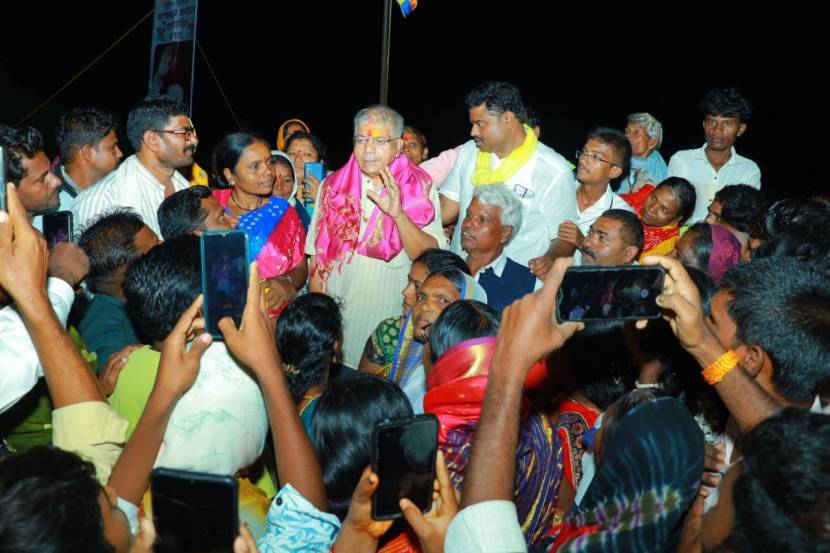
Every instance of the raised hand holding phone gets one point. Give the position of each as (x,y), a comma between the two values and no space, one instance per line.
(314,173)
(531,323)
(252,341)
(431,528)
(24,254)
(622,292)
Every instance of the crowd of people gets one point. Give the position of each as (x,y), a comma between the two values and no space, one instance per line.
(400,284)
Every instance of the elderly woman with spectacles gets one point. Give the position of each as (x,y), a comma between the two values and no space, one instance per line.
(645,133)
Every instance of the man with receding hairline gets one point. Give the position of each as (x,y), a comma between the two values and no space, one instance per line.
(373,216)
(615,238)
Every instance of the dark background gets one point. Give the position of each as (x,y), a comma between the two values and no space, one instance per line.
(577,64)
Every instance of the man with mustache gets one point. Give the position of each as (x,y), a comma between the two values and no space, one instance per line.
(717,164)
(615,238)
(505,150)
(164,140)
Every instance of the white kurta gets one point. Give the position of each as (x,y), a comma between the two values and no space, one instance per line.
(368,289)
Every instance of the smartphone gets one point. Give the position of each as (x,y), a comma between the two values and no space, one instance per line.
(224,277)
(194,511)
(57,227)
(403,457)
(318,169)
(3,178)
(606,293)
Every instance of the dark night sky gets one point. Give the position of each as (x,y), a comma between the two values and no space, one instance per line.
(577,65)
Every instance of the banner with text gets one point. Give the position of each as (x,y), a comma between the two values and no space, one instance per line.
(173,50)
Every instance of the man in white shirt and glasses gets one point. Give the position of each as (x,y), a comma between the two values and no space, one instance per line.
(604,159)
(164,139)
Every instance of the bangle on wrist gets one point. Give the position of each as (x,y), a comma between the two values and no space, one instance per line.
(715,372)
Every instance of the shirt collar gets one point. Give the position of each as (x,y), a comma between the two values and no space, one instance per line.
(497,265)
(67,180)
(734,158)
(605,202)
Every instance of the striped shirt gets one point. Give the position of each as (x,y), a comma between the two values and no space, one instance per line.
(131,185)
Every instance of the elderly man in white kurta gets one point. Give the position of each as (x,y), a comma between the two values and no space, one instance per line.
(373,216)
(165,140)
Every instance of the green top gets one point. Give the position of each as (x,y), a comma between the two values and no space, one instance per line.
(134,385)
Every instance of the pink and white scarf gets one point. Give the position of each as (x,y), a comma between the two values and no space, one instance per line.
(338,223)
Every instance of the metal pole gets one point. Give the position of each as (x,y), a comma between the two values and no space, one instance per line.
(384,52)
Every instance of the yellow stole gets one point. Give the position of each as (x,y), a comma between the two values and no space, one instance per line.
(509,166)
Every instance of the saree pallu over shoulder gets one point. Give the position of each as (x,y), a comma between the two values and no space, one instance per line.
(275,235)
(572,421)
(647,479)
(456,388)
(656,240)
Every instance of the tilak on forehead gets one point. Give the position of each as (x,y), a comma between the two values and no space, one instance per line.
(375,120)
(373,132)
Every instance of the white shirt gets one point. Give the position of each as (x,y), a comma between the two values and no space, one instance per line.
(486,527)
(609,200)
(131,185)
(545,187)
(368,290)
(694,166)
(19,364)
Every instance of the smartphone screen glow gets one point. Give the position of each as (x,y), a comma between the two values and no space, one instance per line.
(605,293)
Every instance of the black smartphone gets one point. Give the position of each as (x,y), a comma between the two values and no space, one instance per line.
(403,457)
(3,178)
(224,277)
(57,227)
(194,511)
(606,293)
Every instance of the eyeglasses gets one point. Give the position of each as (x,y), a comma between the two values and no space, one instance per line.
(593,155)
(187,132)
(362,141)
